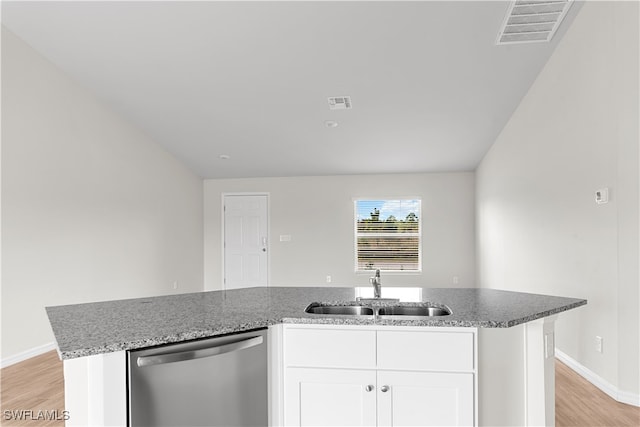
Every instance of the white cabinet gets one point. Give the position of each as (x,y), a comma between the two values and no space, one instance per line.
(330,397)
(425,398)
(354,376)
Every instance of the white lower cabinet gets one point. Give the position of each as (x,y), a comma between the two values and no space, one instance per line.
(407,381)
(330,397)
(424,399)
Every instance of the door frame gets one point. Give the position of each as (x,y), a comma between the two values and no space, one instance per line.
(222,240)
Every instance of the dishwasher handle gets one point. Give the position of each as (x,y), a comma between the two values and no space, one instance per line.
(180,356)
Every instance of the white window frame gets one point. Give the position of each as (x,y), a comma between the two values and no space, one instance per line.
(356,235)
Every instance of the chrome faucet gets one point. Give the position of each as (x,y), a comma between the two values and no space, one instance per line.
(375,282)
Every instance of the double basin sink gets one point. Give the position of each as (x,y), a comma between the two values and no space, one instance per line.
(404,310)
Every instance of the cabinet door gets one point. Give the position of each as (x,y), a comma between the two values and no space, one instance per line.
(425,399)
(329,397)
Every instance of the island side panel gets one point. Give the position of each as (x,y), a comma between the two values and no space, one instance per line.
(501,376)
(276,375)
(516,375)
(76,391)
(95,390)
(540,352)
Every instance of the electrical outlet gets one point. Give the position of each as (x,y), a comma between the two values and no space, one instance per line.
(455,280)
(328,279)
(549,346)
(175,284)
(598,344)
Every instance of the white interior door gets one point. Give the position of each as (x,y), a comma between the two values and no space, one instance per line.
(246,241)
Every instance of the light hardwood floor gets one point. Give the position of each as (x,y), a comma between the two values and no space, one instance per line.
(38,385)
(580,403)
(34,385)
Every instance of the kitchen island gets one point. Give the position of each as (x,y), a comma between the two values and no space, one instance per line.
(511,341)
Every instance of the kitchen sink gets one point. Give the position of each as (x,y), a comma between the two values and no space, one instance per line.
(385,311)
(406,310)
(352,310)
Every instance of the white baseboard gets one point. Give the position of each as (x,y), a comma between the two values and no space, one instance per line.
(598,381)
(27,354)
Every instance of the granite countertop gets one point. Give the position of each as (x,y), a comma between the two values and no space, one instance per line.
(103,327)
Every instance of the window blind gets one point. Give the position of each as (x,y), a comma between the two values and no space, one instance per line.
(388,234)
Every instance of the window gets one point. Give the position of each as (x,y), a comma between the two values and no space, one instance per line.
(388,235)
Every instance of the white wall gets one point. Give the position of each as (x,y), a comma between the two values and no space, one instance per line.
(538,227)
(318,214)
(92,209)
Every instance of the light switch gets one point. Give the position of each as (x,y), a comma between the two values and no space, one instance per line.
(602,196)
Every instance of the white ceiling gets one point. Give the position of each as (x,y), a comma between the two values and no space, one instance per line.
(430,89)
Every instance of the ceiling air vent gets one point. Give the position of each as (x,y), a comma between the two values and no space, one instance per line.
(530,21)
(340,103)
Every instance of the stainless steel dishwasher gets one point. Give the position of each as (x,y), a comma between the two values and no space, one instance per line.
(219,381)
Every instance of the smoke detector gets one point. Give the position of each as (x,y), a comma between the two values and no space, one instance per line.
(339,103)
(530,21)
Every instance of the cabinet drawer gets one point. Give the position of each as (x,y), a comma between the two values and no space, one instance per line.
(426,351)
(330,348)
